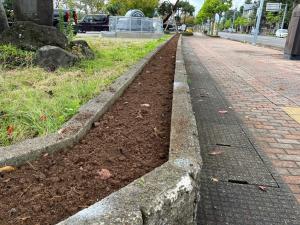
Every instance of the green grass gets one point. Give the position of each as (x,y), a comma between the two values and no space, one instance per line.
(34,102)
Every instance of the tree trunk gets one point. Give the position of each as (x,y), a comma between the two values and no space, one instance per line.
(3,19)
(170,14)
(295,3)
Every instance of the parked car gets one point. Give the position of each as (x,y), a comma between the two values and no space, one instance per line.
(67,14)
(281,33)
(96,22)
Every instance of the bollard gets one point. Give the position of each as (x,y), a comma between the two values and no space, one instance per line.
(292,46)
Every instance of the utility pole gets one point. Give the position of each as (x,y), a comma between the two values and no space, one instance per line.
(233,19)
(259,14)
(284,15)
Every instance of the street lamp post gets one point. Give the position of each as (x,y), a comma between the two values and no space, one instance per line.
(259,14)
(284,15)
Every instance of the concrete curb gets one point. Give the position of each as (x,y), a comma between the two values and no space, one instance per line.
(169,194)
(244,42)
(78,126)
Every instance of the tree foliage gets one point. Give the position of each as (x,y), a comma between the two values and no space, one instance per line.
(241,21)
(118,7)
(212,7)
(165,8)
(273,18)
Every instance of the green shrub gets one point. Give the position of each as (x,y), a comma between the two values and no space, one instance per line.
(187,33)
(11,56)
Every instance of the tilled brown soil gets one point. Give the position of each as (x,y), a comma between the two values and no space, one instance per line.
(131,139)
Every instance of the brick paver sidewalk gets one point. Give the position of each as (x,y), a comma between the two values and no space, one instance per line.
(259,83)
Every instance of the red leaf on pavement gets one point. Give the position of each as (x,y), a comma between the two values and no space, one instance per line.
(104,174)
(223,111)
(262,188)
(218,152)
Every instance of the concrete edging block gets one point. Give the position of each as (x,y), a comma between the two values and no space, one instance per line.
(78,126)
(169,194)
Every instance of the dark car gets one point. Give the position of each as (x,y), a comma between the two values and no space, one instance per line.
(67,15)
(96,22)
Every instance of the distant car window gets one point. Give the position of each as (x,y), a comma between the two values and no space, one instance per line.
(99,18)
(88,19)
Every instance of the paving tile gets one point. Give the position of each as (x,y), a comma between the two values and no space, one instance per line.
(253,132)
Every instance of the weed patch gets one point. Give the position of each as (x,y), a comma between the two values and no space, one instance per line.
(34,102)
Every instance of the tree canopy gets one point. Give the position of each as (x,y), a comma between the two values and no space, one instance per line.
(211,7)
(117,7)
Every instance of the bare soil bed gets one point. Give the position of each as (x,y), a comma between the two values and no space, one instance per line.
(130,140)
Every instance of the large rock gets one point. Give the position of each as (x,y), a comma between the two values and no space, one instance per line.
(52,57)
(82,49)
(30,36)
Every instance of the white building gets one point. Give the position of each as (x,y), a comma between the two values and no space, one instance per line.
(248,10)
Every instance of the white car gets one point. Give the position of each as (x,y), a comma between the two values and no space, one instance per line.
(281,33)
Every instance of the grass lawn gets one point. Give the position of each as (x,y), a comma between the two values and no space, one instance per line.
(34,102)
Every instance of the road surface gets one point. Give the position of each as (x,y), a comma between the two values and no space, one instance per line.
(264,40)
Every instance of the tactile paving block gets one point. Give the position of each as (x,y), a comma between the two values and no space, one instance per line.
(236,204)
(236,165)
(233,165)
(224,134)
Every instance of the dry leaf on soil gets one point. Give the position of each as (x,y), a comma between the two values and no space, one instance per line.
(104,174)
(7,169)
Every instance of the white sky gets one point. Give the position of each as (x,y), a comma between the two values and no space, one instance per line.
(198,3)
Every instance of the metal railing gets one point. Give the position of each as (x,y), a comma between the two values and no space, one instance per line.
(135,24)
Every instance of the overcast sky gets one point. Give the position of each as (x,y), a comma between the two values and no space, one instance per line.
(198,3)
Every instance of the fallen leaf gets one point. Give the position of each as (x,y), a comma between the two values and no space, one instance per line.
(104,174)
(145,105)
(139,115)
(43,117)
(7,169)
(214,179)
(10,130)
(24,218)
(216,152)
(262,188)
(223,111)
(97,124)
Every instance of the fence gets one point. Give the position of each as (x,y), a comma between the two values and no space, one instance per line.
(135,24)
